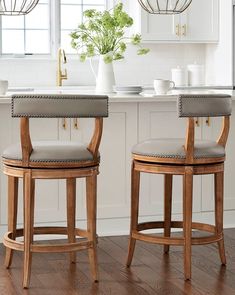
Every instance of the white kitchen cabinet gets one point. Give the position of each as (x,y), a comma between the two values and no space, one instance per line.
(160,27)
(119,135)
(199,23)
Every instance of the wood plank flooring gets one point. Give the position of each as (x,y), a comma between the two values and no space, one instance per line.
(152,272)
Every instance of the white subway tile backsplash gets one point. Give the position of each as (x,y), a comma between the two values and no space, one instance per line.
(133,70)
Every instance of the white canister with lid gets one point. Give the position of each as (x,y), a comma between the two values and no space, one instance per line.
(3,87)
(180,76)
(196,75)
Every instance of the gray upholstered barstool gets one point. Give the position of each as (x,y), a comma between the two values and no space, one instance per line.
(186,157)
(53,160)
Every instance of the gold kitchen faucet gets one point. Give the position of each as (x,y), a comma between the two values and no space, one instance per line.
(60,76)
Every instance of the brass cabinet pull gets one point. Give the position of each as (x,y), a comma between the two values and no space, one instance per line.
(197,122)
(184,30)
(208,121)
(177,30)
(75,123)
(64,123)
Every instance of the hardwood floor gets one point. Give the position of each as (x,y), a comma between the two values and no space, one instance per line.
(152,272)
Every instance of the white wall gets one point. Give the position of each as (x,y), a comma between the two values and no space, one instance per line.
(133,70)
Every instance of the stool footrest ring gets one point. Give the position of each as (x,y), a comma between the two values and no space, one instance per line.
(177,241)
(44,248)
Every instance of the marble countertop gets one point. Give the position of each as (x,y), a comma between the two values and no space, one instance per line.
(147,96)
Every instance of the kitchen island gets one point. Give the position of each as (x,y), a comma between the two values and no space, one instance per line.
(132,118)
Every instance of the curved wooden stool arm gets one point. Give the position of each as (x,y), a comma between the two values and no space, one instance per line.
(25,139)
(94,144)
(189,142)
(222,140)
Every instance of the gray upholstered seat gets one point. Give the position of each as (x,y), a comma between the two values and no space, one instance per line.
(174,148)
(51,151)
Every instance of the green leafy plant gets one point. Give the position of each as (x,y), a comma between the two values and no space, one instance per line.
(103,32)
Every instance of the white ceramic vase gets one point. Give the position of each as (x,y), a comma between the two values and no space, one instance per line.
(105,79)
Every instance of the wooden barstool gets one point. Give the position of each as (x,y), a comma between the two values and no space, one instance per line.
(186,157)
(53,160)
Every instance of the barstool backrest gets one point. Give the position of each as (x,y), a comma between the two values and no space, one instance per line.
(211,105)
(58,106)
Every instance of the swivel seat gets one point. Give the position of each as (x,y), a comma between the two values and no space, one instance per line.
(186,157)
(53,160)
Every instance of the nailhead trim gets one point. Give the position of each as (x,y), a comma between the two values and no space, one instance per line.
(201,98)
(177,156)
(52,161)
(59,97)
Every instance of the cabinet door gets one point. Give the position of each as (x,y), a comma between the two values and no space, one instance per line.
(159,27)
(200,22)
(119,136)
(159,120)
(212,132)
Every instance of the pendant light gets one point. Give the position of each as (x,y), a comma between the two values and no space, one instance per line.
(165,6)
(17,7)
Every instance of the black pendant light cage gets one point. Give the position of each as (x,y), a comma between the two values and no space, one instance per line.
(17,7)
(165,6)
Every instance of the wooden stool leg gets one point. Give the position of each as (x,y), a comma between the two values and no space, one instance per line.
(135,185)
(219,211)
(29,190)
(187,223)
(71,214)
(167,207)
(12,214)
(91,187)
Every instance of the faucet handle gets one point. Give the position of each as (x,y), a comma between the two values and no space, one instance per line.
(64,56)
(64,75)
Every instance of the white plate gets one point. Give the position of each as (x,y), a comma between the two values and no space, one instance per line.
(128,92)
(127,88)
(157,95)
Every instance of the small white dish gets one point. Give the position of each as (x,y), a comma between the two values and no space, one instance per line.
(128,89)
(3,87)
(157,95)
(129,92)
